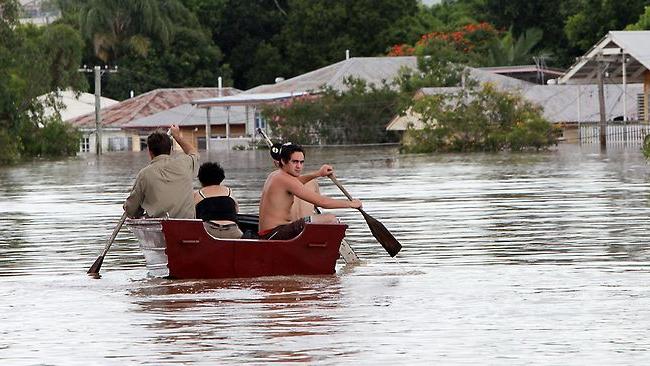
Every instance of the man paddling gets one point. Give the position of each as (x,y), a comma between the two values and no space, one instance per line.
(279,191)
(164,187)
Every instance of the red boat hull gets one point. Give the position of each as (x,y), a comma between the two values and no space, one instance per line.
(193,253)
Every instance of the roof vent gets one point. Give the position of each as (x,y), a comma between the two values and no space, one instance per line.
(279,79)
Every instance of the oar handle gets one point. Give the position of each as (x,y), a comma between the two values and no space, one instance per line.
(115,232)
(345,192)
(268,140)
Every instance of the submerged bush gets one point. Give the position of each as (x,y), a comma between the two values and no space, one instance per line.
(478,119)
(646,147)
(357,115)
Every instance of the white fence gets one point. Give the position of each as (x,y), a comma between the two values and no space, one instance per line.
(617,133)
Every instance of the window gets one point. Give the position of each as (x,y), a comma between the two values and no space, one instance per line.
(119,144)
(84,144)
(260,122)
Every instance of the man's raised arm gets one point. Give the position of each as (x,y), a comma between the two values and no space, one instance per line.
(188,148)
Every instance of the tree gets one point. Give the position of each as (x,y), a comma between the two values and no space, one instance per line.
(317,32)
(597,17)
(508,51)
(116,27)
(155,44)
(191,59)
(34,61)
(478,119)
(355,116)
(245,32)
(643,23)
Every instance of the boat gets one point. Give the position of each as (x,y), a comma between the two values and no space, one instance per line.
(182,249)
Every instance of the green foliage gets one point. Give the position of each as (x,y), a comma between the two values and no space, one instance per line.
(643,23)
(595,18)
(33,61)
(508,51)
(468,45)
(117,27)
(356,116)
(478,119)
(54,139)
(9,147)
(519,16)
(190,60)
(646,147)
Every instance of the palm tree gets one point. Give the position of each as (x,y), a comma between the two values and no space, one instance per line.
(115,26)
(507,51)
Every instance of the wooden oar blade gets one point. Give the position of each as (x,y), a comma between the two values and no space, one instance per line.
(94,269)
(383,236)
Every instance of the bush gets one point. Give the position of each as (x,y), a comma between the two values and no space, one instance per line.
(356,116)
(9,148)
(55,139)
(479,119)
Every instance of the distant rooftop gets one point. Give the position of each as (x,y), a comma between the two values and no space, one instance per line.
(188,115)
(246,99)
(147,104)
(77,104)
(372,69)
(613,48)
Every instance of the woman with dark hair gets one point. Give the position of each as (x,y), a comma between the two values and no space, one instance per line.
(215,204)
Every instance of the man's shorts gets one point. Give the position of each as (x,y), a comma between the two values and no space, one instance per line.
(286,231)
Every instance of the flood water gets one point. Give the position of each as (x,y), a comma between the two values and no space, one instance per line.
(512,259)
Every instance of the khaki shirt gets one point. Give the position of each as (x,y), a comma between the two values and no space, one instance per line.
(165,187)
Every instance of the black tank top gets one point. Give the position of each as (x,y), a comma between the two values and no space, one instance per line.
(216,208)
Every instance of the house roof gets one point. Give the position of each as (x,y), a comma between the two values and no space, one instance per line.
(613,48)
(246,99)
(76,104)
(372,69)
(531,73)
(189,115)
(560,102)
(147,104)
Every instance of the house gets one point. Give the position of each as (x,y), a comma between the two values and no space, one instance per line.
(113,118)
(375,70)
(624,58)
(567,105)
(227,124)
(74,104)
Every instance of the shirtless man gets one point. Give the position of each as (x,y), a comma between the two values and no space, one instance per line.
(278,197)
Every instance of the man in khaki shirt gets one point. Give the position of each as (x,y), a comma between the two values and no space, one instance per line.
(164,187)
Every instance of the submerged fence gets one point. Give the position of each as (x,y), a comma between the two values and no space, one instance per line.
(618,133)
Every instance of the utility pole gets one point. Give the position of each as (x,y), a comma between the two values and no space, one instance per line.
(97,70)
(602,126)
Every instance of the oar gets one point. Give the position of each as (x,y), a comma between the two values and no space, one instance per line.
(345,250)
(378,230)
(94,269)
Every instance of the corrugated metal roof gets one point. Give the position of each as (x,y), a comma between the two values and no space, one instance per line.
(613,48)
(147,104)
(246,99)
(560,102)
(372,69)
(76,105)
(189,115)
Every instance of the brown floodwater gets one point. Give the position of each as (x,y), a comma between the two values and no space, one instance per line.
(514,259)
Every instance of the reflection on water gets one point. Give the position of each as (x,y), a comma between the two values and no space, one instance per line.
(507,259)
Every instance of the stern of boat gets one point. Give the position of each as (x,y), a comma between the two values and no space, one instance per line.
(152,243)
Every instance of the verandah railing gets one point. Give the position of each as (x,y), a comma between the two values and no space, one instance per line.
(618,132)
